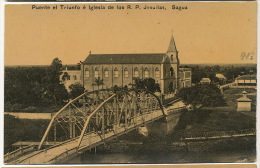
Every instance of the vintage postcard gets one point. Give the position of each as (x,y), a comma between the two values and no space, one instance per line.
(130,83)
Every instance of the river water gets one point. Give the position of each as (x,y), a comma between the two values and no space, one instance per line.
(134,148)
(165,157)
(137,153)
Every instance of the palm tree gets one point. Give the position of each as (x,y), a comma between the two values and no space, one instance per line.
(65,76)
(98,82)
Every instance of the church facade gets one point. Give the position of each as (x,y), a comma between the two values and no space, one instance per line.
(121,70)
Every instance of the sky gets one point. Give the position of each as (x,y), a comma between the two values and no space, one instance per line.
(215,33)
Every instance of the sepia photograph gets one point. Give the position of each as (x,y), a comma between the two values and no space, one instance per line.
(130,83)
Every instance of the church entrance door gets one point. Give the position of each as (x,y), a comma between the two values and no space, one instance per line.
(171,90)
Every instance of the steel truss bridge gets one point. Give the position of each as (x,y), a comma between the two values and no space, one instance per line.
(90,120)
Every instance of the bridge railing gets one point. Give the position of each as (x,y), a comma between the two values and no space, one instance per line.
(16,153)
(63,156)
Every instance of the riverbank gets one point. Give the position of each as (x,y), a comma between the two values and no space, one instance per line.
(223,118)
(167,145)
(32,116)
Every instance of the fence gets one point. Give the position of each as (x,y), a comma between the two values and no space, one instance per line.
(18,152)
(252,87)
(215,134)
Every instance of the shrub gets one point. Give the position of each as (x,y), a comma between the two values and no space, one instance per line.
(16,107)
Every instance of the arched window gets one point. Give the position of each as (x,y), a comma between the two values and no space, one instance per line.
(171,71)
(146,73)
(157,72)
(172,57)
(136,73)
(96,75)
(106,73)
(126,73)
(86,73)
(116,73)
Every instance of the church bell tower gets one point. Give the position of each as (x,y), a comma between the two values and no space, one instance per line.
(172,54)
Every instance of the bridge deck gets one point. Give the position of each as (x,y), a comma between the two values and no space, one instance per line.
(66,150)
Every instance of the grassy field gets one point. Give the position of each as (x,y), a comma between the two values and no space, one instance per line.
(232,94)
(22,130)
(224,118)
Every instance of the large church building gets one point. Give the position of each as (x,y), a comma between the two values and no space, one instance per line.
(122,69)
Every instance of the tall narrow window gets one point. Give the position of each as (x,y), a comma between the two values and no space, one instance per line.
(106,73)
(157,73)
(96,73)
(86,73)
(116,73)
(187,75)
(136,74)
(171,71)
(75,77)
(146,73)
(126,73)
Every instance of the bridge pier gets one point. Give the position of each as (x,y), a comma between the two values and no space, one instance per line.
(164,126)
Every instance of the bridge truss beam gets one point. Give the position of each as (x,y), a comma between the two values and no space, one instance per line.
(99,112)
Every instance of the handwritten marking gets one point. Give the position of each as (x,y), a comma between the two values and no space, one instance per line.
(247,55)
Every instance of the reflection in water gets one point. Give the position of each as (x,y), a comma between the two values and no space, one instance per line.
(163,157)
(166,152)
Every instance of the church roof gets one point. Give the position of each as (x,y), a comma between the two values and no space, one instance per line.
(155,58)
(172,46)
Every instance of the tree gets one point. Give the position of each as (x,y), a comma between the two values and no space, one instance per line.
(23,86)
(197,74)
(75,90)
(98,82)
(55,90)
(147,83)
(65,76)
(201,95)
(115,88)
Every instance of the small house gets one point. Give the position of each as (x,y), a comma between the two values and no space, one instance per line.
(222,79)
(205,81)
(246,80)
(244,103)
